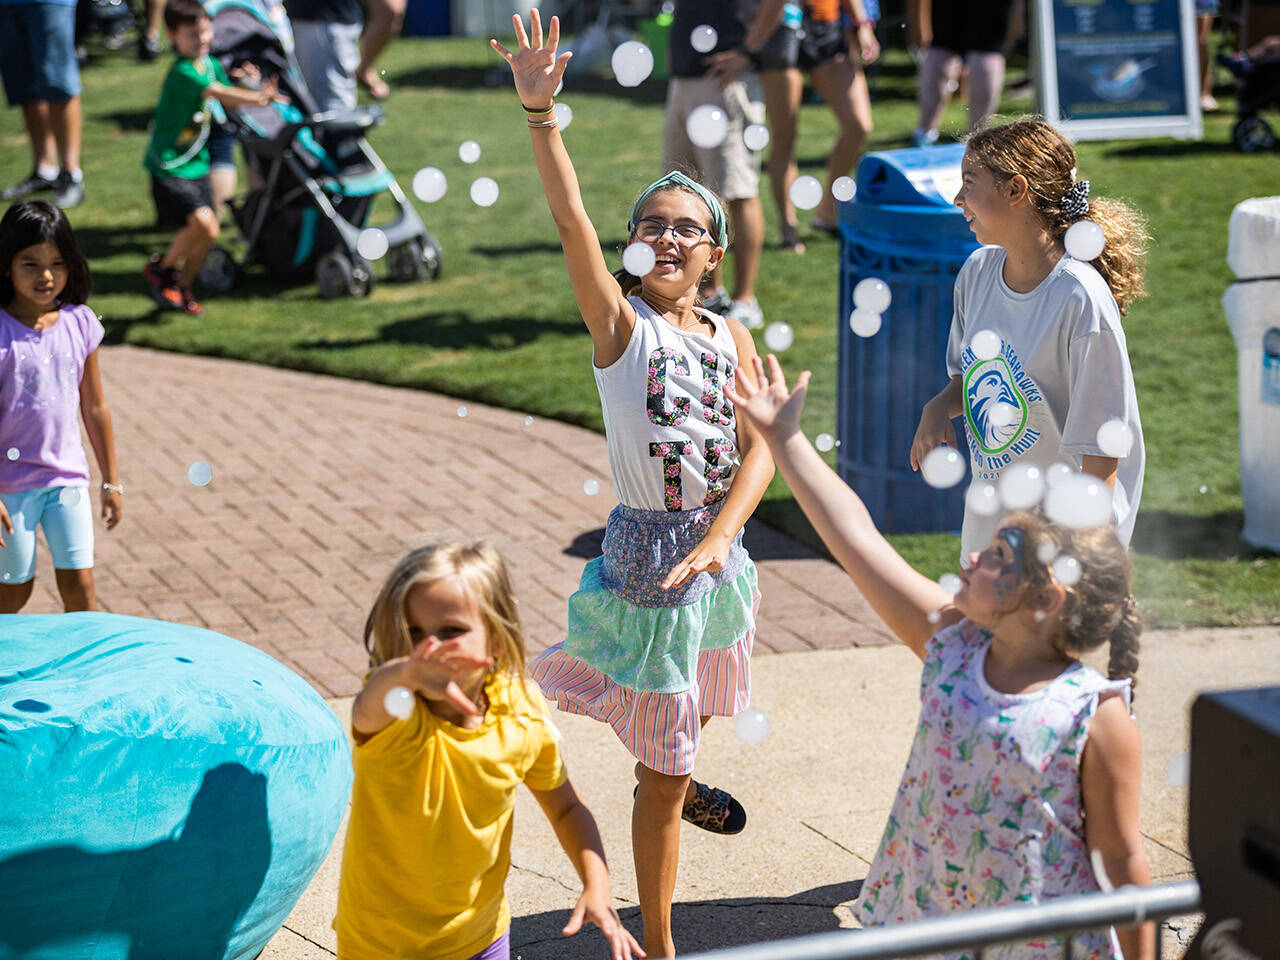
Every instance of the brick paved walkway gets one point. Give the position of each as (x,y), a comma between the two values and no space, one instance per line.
(320,484)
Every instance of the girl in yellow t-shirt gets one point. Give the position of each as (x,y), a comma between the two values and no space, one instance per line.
(429,840)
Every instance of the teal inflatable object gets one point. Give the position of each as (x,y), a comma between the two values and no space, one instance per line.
(168,792)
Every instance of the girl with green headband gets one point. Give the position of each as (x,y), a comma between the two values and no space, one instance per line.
(661,626)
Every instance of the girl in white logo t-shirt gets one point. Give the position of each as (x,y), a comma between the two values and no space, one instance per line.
(1062,370)
(661,626)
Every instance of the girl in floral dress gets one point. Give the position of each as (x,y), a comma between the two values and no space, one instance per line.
(1025,768)
(661,626)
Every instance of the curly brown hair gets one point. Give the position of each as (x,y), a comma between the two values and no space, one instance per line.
(1047,160)
(1099,607)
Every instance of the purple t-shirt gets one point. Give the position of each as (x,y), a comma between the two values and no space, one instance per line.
(40,373)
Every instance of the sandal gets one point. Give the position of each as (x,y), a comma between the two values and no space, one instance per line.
(791,240)
(712,809)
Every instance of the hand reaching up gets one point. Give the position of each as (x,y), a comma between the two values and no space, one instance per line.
(535,66)
(767,404)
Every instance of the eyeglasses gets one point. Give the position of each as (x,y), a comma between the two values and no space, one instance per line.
(651,231)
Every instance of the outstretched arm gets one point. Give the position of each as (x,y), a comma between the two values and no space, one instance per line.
(902,597)
(537,71)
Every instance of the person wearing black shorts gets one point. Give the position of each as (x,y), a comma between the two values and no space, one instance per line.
(973,34)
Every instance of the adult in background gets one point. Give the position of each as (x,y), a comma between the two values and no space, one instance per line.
(723,77)
(1206,10)
(326,42)
(386,17)
(972,35)
(40,74)
(823,49)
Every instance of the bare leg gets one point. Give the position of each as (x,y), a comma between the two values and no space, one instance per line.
(655,842)
(844,88)
(938,70)
(64,121)
(1204,26)
(986,80)
(747,217)
(223,181)
(77,589)
(384,22)
(44,149)
(783,90)
(14,596)
(191,245)
(155,17)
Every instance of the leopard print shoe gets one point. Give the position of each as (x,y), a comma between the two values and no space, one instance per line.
(714,810)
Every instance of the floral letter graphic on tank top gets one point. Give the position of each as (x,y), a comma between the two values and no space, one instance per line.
(658,390)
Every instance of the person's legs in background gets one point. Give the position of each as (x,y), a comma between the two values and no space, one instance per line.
(843,87)
(56,84)
(986,80)
(1206,10)
(328,54)
(385,18)
(783,90)
(149,44)
(939,73)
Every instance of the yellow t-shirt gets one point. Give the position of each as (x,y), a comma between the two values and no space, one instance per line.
(429,840)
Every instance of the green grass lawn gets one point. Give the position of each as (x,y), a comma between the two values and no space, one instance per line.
(500,325)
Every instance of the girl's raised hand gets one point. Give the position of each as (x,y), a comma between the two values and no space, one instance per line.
(433,667)
(535,66)
(594,906)
(767,404)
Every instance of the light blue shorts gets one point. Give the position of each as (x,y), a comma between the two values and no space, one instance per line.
(66,513)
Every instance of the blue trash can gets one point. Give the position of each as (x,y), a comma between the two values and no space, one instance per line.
(902,228)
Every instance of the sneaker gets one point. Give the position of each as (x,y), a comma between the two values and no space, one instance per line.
(149,48)
(924,138)
(163,282)
(190,305)
(33,184)
(67,191)
(719,303)
(747,313)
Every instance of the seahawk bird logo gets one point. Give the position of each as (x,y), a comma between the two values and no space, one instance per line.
(988,390)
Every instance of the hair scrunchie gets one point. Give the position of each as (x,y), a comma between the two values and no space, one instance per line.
(1075,202)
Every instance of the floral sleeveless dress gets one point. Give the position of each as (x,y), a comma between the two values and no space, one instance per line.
(989,809)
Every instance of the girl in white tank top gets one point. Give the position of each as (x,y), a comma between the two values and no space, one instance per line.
(661,626)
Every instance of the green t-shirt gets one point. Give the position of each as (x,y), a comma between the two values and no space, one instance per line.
(179,144)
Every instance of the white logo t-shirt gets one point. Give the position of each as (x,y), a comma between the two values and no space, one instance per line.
(1061,373)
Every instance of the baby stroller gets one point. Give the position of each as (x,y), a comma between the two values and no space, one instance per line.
(313,177)
(1257,89)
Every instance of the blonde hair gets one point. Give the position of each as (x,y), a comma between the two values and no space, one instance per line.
(1047,160)
(1099,607)
(480,570)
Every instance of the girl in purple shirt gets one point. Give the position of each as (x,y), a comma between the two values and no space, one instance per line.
(48,371)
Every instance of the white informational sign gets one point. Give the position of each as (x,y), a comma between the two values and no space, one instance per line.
(1113,69)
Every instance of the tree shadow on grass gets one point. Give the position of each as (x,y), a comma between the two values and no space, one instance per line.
(1179,536)
(128,120)
(538,246)
(457,330)
(475,77)
(1164,150)
(697,926)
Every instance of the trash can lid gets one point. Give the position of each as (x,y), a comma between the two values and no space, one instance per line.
(920,176)
(1253,245)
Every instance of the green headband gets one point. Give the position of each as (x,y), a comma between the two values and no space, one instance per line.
(677,179)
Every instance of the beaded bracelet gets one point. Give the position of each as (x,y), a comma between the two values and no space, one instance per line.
(113,488)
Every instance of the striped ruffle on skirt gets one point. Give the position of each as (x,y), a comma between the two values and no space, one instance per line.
(650,662)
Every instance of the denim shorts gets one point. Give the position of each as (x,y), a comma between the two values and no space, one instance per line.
(66,513)
(222,149)
(38,52)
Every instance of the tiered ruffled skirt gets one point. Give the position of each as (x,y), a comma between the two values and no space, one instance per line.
(651,662)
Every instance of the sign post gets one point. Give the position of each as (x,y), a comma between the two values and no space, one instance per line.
(1112,69)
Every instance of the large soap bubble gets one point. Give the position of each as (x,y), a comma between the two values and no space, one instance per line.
(707,126)
(704,38)
(199,473)
(1079,501)
(942,467)
(872,293)
(429,184)
(1084,240)
(844,188)
(1021,486)
(484,191)
(865,323)
(1115,438)
(372,244)
(564,115)
(399,702)
(469,151)
(632,63)
(982,498)
(806,192)
(751,726)
(638,258)
(986,345)
(778,336)
(756,136)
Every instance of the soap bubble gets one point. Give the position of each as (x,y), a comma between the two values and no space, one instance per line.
(986,344)
(564,115)
(872,293)
(865,323)
(372,244)
(638,258)
(1066,570)
(632,63)
(200,473)
(751,726)
(942,467)
(844,188)
(1056,472)
(69,496)
(12,453)
(591,487)
(982,499)
(399,702)
(806,192)
(1021,486)
(778,336)
(1003,414)
(707,126)
(824,442)
(469,151)
(934,616)
(1046,552)
(1203,488)
(1084,240)
(484,192)
(704,38)
(756,136)
(1079,501)
(1115,438)
(462,412)
(528,421)
(1178,772)
(950,583)
(429,184)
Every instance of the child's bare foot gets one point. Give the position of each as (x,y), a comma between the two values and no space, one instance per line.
(376,86)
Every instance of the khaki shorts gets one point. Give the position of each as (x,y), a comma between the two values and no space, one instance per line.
(731,170)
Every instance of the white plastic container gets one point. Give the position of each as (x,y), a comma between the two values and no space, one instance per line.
(1252,306)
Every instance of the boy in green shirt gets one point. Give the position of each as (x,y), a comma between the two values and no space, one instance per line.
(177,157)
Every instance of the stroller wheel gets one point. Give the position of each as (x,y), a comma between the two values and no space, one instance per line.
(337,276)
(432,257)
(415,260)
(219,272)
(1253,134)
